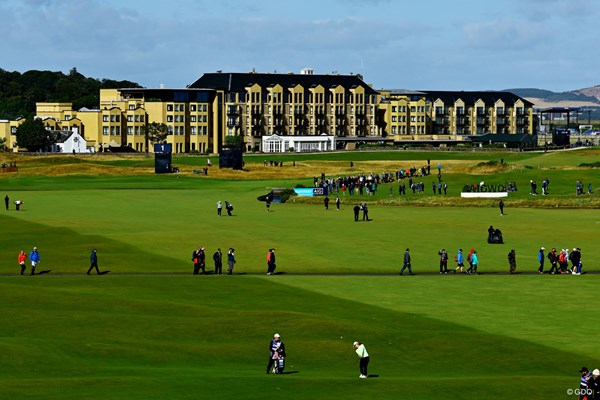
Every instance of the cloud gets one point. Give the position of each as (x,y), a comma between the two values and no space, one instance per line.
(501,35)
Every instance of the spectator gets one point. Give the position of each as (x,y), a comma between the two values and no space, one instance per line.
(230,261)
(34,258)
(218,259)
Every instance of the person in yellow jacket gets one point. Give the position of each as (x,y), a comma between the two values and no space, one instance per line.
(361,350)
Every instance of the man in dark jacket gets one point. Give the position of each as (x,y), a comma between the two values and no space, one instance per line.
(218,259)
(512,261)
(93,262)
(553,258)
(271,262)
(575,258)
(443,261)
(407,263)
(356,212)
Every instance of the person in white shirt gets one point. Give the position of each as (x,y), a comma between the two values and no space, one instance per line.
(361,350)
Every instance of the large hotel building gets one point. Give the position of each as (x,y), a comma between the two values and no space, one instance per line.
(284,112)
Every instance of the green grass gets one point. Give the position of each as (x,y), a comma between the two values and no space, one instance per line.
(150,330)
(176,337)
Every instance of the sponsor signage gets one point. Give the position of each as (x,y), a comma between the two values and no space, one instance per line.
(310,192)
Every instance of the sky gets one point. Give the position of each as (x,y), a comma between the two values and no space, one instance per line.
(393,44)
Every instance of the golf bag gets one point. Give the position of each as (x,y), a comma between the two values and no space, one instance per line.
(279,364)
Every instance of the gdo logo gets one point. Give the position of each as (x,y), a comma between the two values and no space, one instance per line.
(577,392)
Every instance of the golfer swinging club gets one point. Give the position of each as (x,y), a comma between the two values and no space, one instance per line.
(361,350)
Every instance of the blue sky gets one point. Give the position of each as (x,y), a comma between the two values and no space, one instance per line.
(435,44)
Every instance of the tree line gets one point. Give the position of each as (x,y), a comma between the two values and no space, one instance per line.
(20,91)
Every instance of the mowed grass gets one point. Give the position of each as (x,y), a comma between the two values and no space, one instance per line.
(181,337)
(141,228)
(150,330)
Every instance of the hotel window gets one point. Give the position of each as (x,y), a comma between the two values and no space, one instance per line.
(130,118)
(169,107)
(394,118)
(137,118)
(169,118)
(192,107)
(130,130)
(393,108)
(112,130)
(132,107)
(192,130)
(137,130)
(192,118)
(393,130)
(412,130)
(412,109)
(141,118)
(105,130)
(105,118)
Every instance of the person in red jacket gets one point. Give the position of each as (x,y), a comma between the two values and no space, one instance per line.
(21,259)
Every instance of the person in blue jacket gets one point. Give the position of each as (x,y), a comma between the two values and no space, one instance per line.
(460,261)
(34,258)
(541,258)
(93,262)
(475,261)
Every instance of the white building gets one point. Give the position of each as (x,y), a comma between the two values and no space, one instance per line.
(70,142)
(298,144)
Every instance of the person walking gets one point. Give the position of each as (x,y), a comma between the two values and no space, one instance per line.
(583,383)
(202,260)
(365,212)
(34,258)
(593,385)
(6,201)
(575,259)
(271,262)
(553,258)
(196,261)
(218,259)
(219,208)
(326,202)
(443,261)
(541,258)
(361,351)
(276,350)
(230,261)
(21,258)
(501,205)
(93,262)
(337,203)
(470,261)
(460,261)
(475,261)
(512,261)
(407,263)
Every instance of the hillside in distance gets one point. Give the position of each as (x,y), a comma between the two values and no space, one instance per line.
(20,91)
(587,97)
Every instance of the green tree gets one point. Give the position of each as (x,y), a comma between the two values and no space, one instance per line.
(32,135)
(234,142)
(3,146)
(156,132)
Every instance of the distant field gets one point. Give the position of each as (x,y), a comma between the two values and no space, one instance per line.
(151,330)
